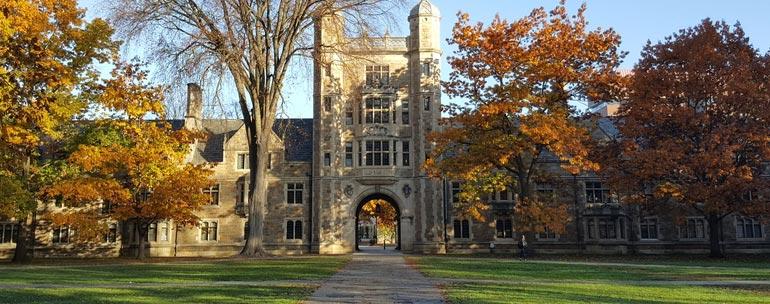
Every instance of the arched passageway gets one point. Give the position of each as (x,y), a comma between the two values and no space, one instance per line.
(390,203)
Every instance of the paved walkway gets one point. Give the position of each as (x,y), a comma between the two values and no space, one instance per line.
(377,276)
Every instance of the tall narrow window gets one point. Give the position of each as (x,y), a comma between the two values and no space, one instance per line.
(163,231)
(327,159)
(426,100)
(294,193)
(213,194)
(243,161)
(425,69)
(405,153)
(405,112)
(455,190)
(462,229)
(112,234)
(648,229)
(377,75)
(349,116)
(377,110)
(152,232)
(269,160)
(349,154)
(504,228)
(327,103)
(294,230)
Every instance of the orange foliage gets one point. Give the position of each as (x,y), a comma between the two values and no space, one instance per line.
(518,78)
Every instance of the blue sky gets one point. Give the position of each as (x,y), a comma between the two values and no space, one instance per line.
(635,21)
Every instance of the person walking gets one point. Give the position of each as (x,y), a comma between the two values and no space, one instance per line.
(522,248)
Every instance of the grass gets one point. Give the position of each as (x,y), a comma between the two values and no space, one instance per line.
(304,268)
(111,283)
(498,280)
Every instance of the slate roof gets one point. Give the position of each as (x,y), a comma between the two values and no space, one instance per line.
(297,135)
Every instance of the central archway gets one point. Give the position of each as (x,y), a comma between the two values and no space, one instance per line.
(391,202)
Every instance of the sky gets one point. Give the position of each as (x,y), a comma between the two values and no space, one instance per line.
(636,21)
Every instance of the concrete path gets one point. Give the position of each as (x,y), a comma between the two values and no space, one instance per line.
(377,276)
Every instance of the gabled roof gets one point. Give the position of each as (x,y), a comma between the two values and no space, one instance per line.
(297,136)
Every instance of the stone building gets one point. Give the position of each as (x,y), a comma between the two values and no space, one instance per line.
(374,102)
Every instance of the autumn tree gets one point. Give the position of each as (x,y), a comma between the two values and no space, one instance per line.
(47,55)
(251,44)
(694,133)
(385,214)
(134,165)
(517,79)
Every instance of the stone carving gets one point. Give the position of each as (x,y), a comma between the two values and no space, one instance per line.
(407,190)
(349,191)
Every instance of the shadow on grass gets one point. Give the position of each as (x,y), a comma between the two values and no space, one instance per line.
(158,295)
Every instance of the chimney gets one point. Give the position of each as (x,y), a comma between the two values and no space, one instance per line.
(193,117)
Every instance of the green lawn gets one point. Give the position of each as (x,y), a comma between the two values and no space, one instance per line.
(509,280)
(82,281)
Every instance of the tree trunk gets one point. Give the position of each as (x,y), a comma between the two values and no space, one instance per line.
(141,234)
(715,235)
(258,150)
(25,244)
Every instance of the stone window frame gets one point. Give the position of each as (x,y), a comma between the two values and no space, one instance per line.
(301,195)
(54,238)
(754,222)
(705,229)
(592,225)
(111,236)
(464,237)
(657,228)
(427,101)
(389,143)
(157,230)
(377,73)
(242,158)
(9,233)
(547,236)
(348,154)
(386,113)
(504,219)
(209,228)
(215,188)
(294,238)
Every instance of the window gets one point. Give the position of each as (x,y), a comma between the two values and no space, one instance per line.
(327,159)
(547,234)
(377,110)
(349,117)
(349,154)
(377,153)
(242,192)
(462,229)
(405,153)
(455,190)
(425,68)
(243,161)
(112,234)
(377,75)
(106,207)
(426,100)
(163,231)
(294,193)
(62,235)
(327,103)
(293,230)
(596,193)
(152,232)
(246,230)
(270,160)
(360,153)
(213,193)
(504,228)
(505,196)
(648,228)
(9,233)
(209,231)
(694,228)
(591,229)
(405,112)
(545,191)
(747,228)
(607,229)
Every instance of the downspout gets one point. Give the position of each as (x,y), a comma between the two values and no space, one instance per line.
(310,219)
(446,206)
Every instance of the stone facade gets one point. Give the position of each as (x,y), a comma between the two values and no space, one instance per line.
(375,100)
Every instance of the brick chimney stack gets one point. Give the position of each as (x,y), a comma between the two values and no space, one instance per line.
(193,117)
